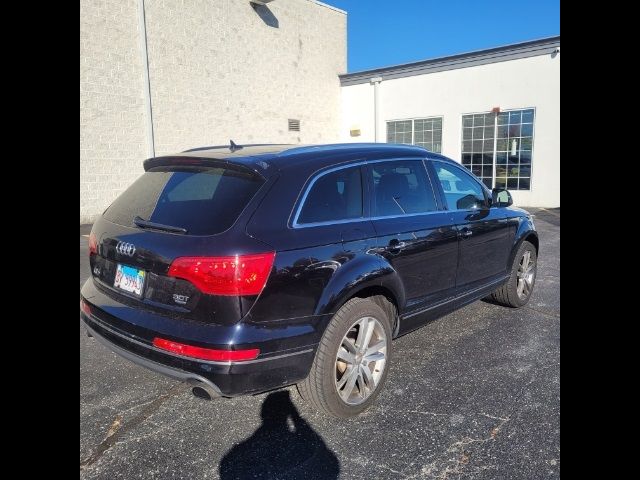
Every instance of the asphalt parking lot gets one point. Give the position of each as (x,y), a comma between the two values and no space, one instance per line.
(475,394)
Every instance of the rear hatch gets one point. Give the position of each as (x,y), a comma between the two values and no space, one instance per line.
(170,241)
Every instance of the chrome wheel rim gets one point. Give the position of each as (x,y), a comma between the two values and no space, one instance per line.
(361,360)
(526,275)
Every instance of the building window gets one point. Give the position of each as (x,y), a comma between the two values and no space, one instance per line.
(400,132)
(425,132)
(498,148)
(477,145)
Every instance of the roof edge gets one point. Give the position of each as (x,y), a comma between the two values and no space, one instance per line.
(330,7)
(501,53)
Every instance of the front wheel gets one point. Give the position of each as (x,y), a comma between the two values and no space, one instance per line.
(517,290)
(352,360)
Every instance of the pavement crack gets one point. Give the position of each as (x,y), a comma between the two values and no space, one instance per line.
(542,312)
(363,462)
(494,418)
(429,413)
(458,454)
(118,430)
(115,426)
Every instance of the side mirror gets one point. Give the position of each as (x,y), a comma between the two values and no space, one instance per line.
(500,197)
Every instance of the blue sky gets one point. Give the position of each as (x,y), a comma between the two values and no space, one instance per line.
(388,32)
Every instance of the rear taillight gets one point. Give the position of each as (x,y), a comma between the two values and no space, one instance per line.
(206,353)
(84,307)
(238,275)
(93,245)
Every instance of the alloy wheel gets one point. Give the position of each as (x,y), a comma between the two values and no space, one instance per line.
(526,275)
(361,360)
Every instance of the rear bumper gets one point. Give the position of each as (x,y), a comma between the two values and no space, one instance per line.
(181,375)
(287,347)
(227,379)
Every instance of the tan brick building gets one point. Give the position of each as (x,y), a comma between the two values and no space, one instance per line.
(161,76)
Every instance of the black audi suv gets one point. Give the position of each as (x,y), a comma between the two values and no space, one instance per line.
(244,269)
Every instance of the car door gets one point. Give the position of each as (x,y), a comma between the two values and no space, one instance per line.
(483,232)
(414,235)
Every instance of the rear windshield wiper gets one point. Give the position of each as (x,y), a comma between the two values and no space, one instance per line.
(142,223)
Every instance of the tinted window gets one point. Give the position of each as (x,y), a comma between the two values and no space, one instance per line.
(205,201)
(334,196)
(401,187)
(461,190)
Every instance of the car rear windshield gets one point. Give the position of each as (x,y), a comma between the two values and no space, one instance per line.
(204,201)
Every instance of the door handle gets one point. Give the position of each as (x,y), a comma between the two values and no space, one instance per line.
(465,232)
(395,246)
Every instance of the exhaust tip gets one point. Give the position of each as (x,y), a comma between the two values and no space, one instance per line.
(201,393)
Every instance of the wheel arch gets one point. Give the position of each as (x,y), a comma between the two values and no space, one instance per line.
(382,283)
(532,237)
(526,233)
(386,299)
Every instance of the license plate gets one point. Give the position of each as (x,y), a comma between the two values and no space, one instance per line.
(129,279)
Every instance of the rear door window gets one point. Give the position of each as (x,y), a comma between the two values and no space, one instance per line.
(401,187)
(333,196)
(204,201)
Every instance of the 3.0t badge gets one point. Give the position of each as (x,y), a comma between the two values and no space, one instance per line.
(124,248)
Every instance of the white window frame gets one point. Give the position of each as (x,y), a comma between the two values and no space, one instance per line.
(413,127)
(495,140)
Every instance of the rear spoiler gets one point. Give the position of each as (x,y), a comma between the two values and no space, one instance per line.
(260,167)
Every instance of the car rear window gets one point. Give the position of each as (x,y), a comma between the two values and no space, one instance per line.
(204,201)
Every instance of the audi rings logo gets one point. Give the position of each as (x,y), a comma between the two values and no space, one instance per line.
(124,248)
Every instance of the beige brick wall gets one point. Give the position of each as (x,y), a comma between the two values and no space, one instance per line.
(218,70)
(112,133)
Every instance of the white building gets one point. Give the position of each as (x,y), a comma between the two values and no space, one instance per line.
(497,111)
(161,76)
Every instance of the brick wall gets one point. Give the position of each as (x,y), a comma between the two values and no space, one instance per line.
(112,133)
(218,70)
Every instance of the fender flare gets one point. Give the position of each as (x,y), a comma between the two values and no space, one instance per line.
(526,231)
(367,272)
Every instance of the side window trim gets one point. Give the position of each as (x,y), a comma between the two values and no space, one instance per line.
(462,169)
(366,193)
(309,185)
(435,185)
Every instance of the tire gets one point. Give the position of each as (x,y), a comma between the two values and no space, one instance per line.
(508,294)
(322,386)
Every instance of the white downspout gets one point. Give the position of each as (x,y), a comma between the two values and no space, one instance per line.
(376,106)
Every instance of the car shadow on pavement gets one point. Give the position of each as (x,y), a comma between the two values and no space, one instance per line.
(284,446)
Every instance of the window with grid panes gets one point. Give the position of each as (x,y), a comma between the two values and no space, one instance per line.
(512,134)
(425,132)
(514,147)
(399,132)
(477,145)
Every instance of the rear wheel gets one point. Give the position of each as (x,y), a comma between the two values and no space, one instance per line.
(517,290)
(352,360)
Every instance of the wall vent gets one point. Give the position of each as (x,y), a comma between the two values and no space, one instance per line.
(294,125)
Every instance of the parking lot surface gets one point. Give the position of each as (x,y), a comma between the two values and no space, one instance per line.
(475,394)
